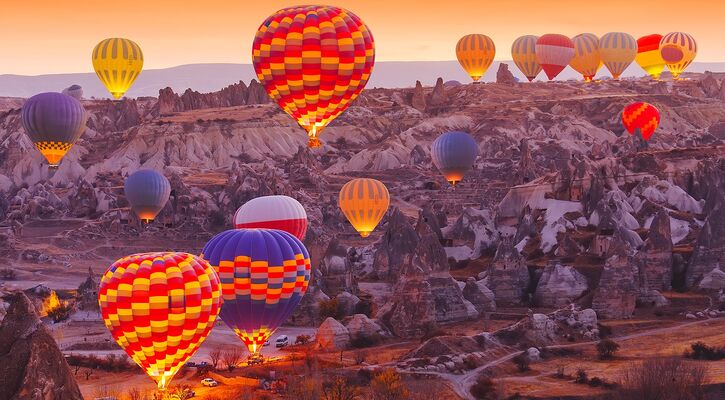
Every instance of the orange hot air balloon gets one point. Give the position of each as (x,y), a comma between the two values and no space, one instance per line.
(642,117)
(586,59)
(475,53)
(678,49)
(554,52)
(159,308)
(364,202)
(649,56)
(313,61)
(523,52)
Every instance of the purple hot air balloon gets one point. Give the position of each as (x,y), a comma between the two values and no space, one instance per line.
(454,153)
(147,191)
(264,273)
(54,122)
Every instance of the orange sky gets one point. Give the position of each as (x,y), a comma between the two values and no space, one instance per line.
(55,36)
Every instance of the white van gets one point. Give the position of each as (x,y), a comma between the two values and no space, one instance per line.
(281,341)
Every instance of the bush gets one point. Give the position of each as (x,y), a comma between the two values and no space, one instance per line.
(303,339)
(604,330)
(522,362)
(330,308)
(701,351)
(606,349)
(664,378)
(484,389)
(110,363)
(60,313)
(388,385)
(581,376)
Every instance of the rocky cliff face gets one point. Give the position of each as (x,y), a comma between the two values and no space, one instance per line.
(508,277)
(616,295)
(655,259)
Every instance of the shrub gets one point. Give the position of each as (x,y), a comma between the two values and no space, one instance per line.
(471,362)
(217,219)
(339,389)
(303,339)
(606,349)
(522,362)
(330,308)
(581,376)
(387,385)
(664,378)
(484,389)
(701,351)
(110,363)
(61,312)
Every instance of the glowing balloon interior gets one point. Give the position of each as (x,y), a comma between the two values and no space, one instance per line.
(117,62)
(364,202)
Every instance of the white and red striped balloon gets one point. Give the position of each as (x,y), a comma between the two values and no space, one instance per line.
(273,212)
(554,52)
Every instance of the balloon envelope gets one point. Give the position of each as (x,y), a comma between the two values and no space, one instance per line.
(264,273)
(678,49)
(313,61)
(641,116)
(475,53)
(649,56)
(618,50)
(554,52)
(159,308)
(273,212)
(364,202)
(147,192)
(454,153)
(523,52)
(54,122)
(117,62)
(587,60)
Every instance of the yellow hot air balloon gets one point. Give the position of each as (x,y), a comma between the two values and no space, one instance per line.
(587,60)
(523,52)
(117,62)
(678,49)
(618,50)
(364,202)
(649,56)
(475,52)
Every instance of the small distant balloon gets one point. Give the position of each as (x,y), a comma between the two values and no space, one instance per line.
(454,153)
(587,60)
(475,53)
(147,191)
(618,50)
(642,117)
(649,56)
(117,62)
(678,49)
(554,52)
(74,91)
(523,52)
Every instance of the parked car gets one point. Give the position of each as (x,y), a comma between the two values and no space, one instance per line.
(209,382)
(266,343)
(202,364)
(281,341)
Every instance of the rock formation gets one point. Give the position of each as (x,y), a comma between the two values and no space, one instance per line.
(655,259)
(336,270)
(418,102)
(709,252)
(332,335)
(398,243)
(479,295)
(508,275)
(616,295)
(504,76)
(559,286)
(438,99)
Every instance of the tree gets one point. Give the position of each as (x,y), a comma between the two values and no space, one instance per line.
(484,389)
(232,356)
(339,389)
(215,356)
(387,385)
(303,339)
(87,373)
(522,362)
(606,349)
(330,308)
(306,387)
(664,378)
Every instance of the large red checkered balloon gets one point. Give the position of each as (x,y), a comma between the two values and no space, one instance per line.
(313,61)
(641,116)
(264,273)
(160,307)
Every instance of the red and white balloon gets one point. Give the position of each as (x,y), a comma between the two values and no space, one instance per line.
(273,212)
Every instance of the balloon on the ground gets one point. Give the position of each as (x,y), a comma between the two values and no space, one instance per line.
(554,52)
(523,52)
(649,57)
(364,202)
(678,49)
(454,153)
(117,62)
(74,91)
(313,61)
(587,60)
(264,273)
(159,308)
(618,50)
(475,53)
(273,212)
(147,191)
(642,117)
(54,122)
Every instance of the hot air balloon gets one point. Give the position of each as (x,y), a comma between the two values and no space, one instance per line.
(678,49)
(523,52)
(642,117)
(649,56)
(147,192)
(54,122)
(618,50)
(159,308)
(313,61)
(273,212)
(117,62)
(586,59)
(74,91)
(264,273)
(454,153)
(475,53)
(554,52)
(364,202)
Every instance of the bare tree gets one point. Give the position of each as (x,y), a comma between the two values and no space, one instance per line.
(88,372)
(339,389)
(664,378)
(232,356)
(215,356)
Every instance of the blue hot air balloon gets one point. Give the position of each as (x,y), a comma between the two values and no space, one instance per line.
(454,153)
(264,273)
(54,122)
(147,192)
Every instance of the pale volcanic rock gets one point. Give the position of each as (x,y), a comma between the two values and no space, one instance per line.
(438,99)
(663,192)
(31,365)
(504,76)
(363,328)
(479,295)
(418,101)
(559,285)
(336,270)
(476,226)
(332,335)
(710,85)
(508,275)
(709,251)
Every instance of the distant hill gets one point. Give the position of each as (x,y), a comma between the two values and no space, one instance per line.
(212,77)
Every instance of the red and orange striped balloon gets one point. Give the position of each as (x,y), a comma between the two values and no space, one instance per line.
(643,117)
(160,307)
(313,61)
